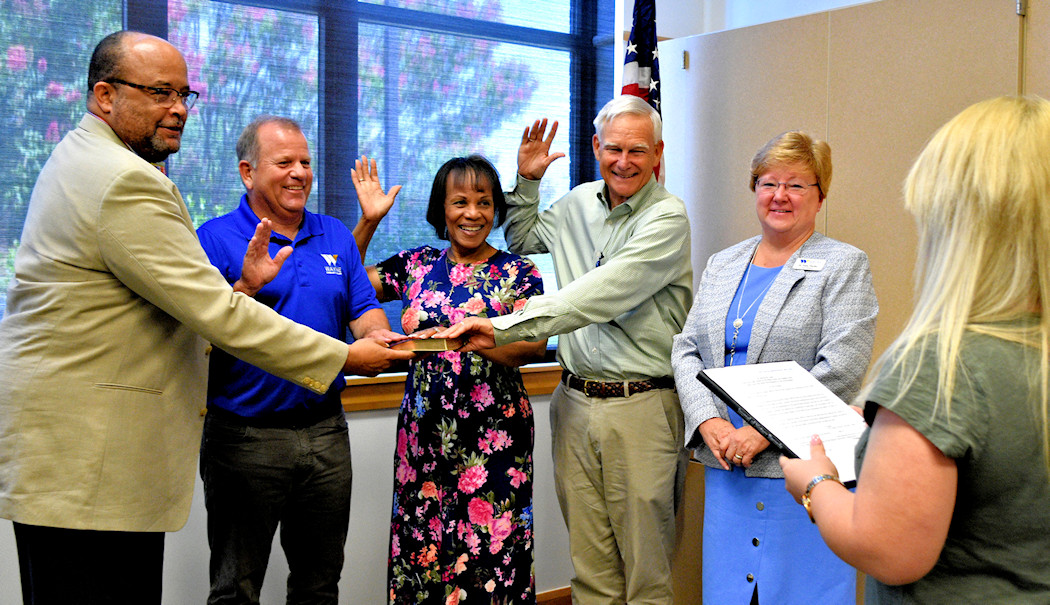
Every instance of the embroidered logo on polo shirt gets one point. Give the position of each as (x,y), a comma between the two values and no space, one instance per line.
(332,264)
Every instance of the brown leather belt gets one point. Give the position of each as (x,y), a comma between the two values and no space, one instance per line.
(624,388)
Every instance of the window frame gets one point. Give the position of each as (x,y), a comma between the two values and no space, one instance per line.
(590,44)
(590,34)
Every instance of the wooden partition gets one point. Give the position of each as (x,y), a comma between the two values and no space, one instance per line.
(1036,68)
(874,80)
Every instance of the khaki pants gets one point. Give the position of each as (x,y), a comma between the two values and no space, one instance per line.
(618,465)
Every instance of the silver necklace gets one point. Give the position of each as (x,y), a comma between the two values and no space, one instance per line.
(739,321)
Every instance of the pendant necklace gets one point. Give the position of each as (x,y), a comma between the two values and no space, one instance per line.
(739,321)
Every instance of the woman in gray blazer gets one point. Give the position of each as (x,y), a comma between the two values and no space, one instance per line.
(788,294)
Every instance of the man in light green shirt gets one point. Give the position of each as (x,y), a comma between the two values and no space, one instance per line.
(621,253)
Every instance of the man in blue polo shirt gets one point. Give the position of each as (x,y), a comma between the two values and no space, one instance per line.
(274,452)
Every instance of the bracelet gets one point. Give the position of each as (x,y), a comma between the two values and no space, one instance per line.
(809,488)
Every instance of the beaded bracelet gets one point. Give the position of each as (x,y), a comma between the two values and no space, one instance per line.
(809,488)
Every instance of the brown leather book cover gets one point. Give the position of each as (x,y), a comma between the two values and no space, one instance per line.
(427,344)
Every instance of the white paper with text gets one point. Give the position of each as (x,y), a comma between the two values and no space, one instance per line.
(790,403)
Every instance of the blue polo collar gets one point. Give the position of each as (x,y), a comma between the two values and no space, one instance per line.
(246,220)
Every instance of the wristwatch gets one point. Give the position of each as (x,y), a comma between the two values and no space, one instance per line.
(809,488)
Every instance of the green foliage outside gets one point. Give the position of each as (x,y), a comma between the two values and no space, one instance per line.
(45,47)
(448,94)
(451,93)
(244,61)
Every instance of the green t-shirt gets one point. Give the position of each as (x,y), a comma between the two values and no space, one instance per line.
(998,544)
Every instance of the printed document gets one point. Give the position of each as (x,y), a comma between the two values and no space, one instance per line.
(788,406)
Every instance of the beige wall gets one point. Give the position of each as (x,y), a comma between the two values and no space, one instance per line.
(875,80)
(1037,49)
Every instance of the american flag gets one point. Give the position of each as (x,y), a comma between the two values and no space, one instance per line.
(641,63)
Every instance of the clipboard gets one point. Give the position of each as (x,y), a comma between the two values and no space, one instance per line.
(746,415)
(787,405)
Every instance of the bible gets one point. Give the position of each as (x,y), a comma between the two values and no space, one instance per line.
(427,345)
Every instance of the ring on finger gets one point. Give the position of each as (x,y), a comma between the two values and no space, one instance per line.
(738,457)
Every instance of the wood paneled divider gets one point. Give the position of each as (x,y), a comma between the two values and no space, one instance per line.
(874,80)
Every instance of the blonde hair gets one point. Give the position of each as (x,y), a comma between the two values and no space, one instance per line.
(795,147)
(980,194)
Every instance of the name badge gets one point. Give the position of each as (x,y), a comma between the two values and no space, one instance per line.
(810,264)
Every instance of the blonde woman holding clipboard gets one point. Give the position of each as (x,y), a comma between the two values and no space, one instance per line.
(951,500)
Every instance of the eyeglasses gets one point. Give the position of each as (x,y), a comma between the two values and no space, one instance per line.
(165,97)
(793,188)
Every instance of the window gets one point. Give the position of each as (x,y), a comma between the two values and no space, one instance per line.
(43,73)
(244,61)
(409,82)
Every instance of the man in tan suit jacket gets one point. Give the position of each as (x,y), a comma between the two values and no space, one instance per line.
(104,345)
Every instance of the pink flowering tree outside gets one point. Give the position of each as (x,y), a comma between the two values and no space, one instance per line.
(449,93)
(244,61)
(44,52)
(422,98)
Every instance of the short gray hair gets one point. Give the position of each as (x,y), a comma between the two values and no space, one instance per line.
(628,104)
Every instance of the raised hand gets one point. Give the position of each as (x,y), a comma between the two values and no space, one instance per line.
(374,202)
(258,268)
(534,152)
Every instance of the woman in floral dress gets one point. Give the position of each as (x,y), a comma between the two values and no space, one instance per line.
(461,528)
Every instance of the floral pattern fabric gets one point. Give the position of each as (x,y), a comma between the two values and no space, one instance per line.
(461,527)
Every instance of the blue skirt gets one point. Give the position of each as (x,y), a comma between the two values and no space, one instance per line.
(756,534)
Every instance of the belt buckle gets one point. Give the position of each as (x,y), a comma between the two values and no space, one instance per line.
(587,387)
